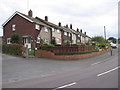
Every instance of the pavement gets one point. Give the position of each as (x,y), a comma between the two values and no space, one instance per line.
(16,69)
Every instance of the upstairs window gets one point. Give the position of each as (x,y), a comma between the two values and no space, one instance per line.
(65,33)
(45,29)
(78,35)
(37,27)
(58,31)
(53,29)
(13,27)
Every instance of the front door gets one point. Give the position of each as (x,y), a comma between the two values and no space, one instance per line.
(27,42)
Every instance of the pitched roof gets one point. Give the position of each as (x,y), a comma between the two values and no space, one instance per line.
(30,19)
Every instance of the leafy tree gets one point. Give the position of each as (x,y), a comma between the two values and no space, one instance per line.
(112,39)
(15,38)
(98,39)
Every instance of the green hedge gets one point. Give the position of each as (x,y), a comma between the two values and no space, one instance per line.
(74,53)
(12,49)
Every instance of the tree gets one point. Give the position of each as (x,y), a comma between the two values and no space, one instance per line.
(98,39)
(112,39)
(15,38)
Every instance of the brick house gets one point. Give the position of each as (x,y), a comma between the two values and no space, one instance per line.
(31,30)
(27,27)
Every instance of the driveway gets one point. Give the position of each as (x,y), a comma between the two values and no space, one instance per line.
(14,68)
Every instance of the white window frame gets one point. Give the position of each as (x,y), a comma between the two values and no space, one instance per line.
(13,27)
(8,40)
(46,40)
(78,35)
(38,40)
(45,29)
(37,26)
(58,31)
(65,33)
(53,29)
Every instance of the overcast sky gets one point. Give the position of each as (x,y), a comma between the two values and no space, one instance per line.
(89,15)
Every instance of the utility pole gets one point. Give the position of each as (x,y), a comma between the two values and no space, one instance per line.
(105,33)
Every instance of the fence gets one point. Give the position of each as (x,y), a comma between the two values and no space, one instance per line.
(73,48)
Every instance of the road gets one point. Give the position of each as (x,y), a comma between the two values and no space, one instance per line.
(101,74)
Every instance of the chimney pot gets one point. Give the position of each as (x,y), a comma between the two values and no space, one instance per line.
(46,18)
(30,13)
(85,32)
(77,30)
(59,24)
(70,26)
(67,26)
(81,30)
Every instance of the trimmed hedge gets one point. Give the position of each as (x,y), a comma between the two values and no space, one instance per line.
(13,49)
(75,53)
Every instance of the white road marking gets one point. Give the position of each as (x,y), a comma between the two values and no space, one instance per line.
(67,85)
(108,71)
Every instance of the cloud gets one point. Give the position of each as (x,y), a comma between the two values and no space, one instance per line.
(89,15)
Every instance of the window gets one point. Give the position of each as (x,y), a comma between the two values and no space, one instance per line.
(45,29)
(65,33)
(69,34)
(46,40)
(8,40)
(38,39)
(58,31)
(78,35)
(53,30)
(13,27)
(37,27)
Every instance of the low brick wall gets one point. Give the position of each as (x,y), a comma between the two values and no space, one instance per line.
(48,54)
(67,48)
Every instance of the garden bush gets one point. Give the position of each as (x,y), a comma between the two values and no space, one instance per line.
(12,49)
(75,53)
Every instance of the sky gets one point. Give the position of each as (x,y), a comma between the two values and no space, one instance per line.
(89,15)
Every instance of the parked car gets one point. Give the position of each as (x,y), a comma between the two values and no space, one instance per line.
(113,45)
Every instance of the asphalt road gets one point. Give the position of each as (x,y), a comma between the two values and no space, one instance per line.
(16,69)
(101,74)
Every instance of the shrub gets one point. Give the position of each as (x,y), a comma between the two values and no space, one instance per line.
(31,52)
(48,45)
(13,49)
(15,38)
(67,42)
(75,53)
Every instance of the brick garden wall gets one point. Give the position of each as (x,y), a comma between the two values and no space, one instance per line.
(73,48)
(48,54)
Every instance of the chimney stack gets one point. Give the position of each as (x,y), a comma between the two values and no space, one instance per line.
(77,30)
(81,30)
(70,26)
(85,32)
(59,24)
(30,13)
(46,18)
(66,25)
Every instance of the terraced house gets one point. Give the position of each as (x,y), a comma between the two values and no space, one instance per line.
(32,30)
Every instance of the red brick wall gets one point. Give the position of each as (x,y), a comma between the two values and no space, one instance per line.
(73,48)
(48,54)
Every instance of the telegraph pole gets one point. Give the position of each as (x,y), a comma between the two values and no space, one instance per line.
(105,33)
